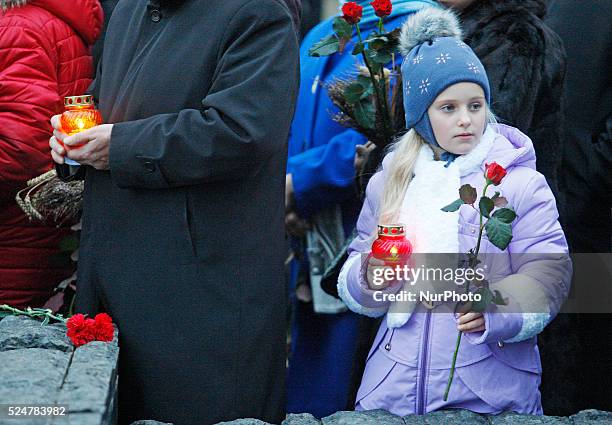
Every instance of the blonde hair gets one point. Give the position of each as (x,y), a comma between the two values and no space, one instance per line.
(400,172)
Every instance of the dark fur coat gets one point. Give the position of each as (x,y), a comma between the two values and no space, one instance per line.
(525,62)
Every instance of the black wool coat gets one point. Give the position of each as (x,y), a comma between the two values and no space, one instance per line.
(525,62)
(183,239)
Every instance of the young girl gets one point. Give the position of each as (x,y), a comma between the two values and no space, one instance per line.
(451,137)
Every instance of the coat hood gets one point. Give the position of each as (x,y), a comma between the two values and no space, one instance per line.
(511,148)
(496,7)
(84,16)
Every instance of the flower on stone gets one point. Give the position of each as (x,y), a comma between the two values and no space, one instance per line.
(352,12)
(82,330)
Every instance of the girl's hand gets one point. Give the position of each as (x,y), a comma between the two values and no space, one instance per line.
(470,322)
(375,274)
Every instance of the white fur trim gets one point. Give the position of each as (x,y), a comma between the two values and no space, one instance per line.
(346,296)
(531,299)
(429,229)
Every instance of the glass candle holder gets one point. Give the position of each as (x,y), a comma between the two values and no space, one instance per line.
(79,114)
(392,247)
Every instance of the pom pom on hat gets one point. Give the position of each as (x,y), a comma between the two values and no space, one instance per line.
(426,25)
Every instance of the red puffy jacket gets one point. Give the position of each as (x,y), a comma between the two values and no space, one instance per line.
(45,55)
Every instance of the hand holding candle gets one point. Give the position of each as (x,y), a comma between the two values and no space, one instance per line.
(78,136)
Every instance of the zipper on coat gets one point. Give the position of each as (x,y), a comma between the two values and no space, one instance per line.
(423,366)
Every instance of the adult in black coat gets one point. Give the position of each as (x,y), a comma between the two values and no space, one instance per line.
(579,367)
(183,212)
(525,63)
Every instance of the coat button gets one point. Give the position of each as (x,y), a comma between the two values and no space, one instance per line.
(500,344)
(149,166)
(156,15)
(388,347)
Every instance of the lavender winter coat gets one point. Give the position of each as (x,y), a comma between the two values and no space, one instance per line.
(498,369)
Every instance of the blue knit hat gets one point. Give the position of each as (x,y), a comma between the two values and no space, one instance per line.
(434,59)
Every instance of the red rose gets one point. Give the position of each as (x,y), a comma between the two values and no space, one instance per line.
(104,329)
(352,12)
(494,173)
(80,330)
(382,8)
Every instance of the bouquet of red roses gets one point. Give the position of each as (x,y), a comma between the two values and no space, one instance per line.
(366,103)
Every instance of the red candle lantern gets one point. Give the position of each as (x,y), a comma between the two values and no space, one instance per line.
(392,247)
(79,114)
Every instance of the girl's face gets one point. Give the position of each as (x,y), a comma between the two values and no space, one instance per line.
(458,117)
(456,4)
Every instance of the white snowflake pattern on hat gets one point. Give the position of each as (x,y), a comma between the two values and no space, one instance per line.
(417,59)
(462,44)
(473,67)
(407,88)
(443,58)
(424,84)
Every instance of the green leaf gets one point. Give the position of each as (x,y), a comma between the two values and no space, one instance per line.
(498,232)
(486,206)
(494,197)
(45,322)
(328,46)
(364,114)
(468,194)
(486,296)
(507,215)
(381,56)
(376,67)
(378,43)
(342,28)
(498,299)
(453,206)
(353,92)
(359,48)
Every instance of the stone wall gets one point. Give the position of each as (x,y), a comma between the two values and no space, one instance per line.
(39,366)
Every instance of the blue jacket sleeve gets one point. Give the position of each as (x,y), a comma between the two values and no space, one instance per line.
(325,175)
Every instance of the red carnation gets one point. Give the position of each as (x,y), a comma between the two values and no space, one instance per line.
(382,8)
(494,173)
(104,329)
(80,330)
(352,12)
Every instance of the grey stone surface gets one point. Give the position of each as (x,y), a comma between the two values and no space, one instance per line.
(91,378)
(516,419)
(368,417)
(591,416)
(90,387)
(22,332)
(455,417)
(300,419)
(248,421)
(150,423)
(39,365)
(31,376)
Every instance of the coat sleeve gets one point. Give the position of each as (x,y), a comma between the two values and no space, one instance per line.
(325,175)
(542,270)
(244,118)
(28,98)
(352,286)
